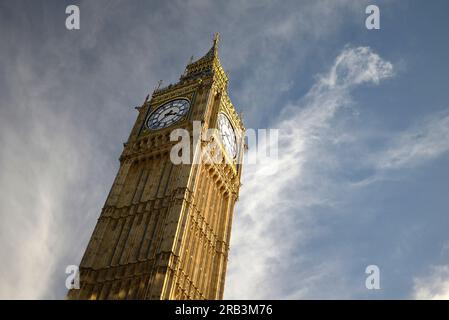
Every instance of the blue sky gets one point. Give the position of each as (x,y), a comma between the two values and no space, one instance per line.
(363,121)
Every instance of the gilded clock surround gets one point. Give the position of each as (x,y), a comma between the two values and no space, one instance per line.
(164,230)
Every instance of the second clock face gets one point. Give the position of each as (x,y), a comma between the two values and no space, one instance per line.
(227,135)
(168,114)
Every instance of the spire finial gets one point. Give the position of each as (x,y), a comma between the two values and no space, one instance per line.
(216,40)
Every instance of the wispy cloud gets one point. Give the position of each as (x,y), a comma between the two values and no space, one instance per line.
(423,142)
(274,210)
(278,214)
(37,170)
(427,139)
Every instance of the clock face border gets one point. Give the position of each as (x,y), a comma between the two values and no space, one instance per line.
(234,154)
(162,105)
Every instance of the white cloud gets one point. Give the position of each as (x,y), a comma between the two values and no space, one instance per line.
(425,141)
(417,145)
(275,216)
(435,286)
(273,212)
(276,213)
(41,164)
(349,69)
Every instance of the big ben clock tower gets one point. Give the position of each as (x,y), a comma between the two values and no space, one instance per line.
(165,228)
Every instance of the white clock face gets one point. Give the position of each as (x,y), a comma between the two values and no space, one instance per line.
(168,114)
(227,135)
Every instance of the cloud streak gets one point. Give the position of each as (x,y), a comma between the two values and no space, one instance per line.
(37,170)
(279,215)
(275,214)
(423,142)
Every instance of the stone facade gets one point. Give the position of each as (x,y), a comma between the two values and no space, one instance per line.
(164,230)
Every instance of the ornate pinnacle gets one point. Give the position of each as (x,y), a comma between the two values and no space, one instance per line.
(215,43)
(216,38)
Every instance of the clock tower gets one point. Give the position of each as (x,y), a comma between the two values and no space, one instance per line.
(165,228)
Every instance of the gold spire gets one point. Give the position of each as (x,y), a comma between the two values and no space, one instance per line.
(215,42)
(207,65)
(216,38)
